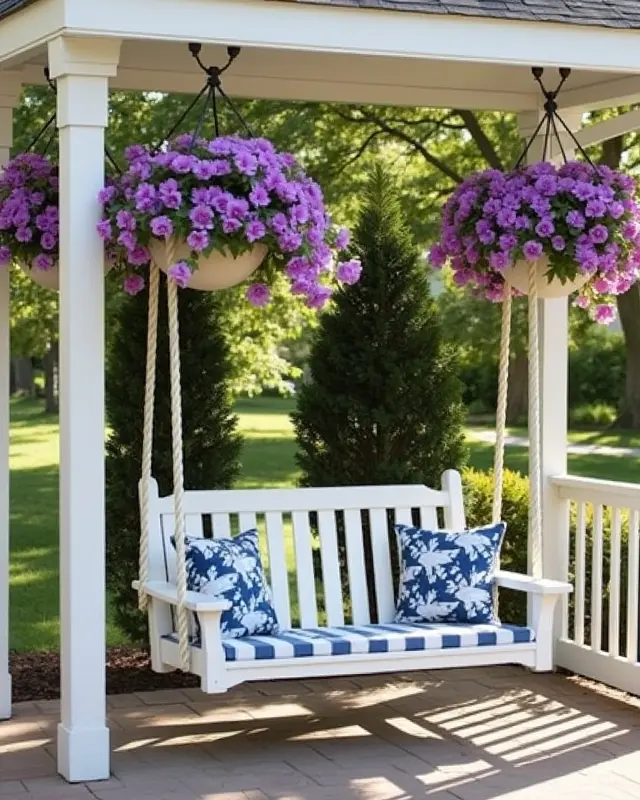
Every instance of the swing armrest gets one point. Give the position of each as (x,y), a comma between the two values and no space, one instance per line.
(168,593)
(526,583)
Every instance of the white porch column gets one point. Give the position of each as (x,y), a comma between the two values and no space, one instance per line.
(9,96)
(82,68)
(554,388)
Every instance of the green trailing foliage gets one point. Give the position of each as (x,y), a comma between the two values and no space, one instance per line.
(211,443)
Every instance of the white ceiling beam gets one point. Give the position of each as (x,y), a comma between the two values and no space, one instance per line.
(603,94)
(323,28)
(259,87)
(609,128)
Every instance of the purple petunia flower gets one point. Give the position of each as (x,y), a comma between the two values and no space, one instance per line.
(230,225)
(180,273)
(437,256)
(48,241)
(105,231)
(42,261)
(255,230)
(545,228)
(125,220)
(133,284)
(161,227)
(183,164)
(259,196)
(5,255)
(349,272)
(127,240)
(198,240)
(595,208)
(318,296)
(558,243)
(201,217)
(139,256)
(616,209)
(258,294)
(169,194)
(604,313)
(499,260)
(246,163)
(576,220)
(24,234)
(599,234)
(532,250)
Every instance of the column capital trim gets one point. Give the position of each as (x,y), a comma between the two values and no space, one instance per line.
(84,55)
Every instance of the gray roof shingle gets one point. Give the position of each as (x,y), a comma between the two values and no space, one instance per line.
(603,13)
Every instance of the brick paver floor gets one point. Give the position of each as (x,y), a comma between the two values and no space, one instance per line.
(470,734)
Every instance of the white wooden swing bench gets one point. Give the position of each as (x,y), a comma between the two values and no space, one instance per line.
(322,644)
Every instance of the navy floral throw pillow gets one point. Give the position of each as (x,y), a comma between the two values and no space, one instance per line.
(448,576)
(232,569)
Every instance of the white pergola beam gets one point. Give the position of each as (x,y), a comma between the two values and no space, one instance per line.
(82,68)
(359,31)
(9,96)
(603,94)
(609,128)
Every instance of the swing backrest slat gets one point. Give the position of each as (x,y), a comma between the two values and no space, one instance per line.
(300,530)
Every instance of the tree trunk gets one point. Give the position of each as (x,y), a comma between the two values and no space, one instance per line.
(23,376)
(518,396)
(629,311)
(51,379)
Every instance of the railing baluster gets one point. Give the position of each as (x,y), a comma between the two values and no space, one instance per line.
(614,584)
(580,573)
(596,579)
(633,598)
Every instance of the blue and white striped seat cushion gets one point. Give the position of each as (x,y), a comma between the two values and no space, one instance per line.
(361,639)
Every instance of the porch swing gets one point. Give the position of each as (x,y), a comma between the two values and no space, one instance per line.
(186,627)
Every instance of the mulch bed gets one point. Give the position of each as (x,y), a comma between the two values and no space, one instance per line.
(36,676)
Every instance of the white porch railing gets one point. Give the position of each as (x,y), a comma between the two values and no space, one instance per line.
(599,635)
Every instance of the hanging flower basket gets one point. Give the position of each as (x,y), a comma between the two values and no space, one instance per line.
(577,222)
(229,205)
(29,218)
(517,277)
(215,271)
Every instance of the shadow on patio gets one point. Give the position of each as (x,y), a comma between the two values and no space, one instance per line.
(472,734)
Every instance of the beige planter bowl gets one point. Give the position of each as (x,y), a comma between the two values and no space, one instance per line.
(50,278)
(216,271)
(518,277)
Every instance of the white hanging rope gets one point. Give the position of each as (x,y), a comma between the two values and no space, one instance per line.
(501,421)
(178,471)
(501,413)
(147,431)
(535,481)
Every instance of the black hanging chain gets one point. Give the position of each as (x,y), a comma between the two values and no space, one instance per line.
(550,120)
(209,92)
(52,85)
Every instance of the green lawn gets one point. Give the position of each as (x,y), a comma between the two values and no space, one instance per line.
(268,461)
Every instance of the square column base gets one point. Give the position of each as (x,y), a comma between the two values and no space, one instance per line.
(83,753)
(5,695)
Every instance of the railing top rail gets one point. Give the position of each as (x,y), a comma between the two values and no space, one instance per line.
(611,493)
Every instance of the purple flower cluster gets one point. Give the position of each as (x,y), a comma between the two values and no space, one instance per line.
(226,195)
(584,220)
(29,221)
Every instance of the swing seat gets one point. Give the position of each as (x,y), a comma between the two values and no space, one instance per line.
(321,644)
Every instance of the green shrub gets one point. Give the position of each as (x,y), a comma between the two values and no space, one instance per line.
(597,367)
(478,494)
(593,415)
(211,444)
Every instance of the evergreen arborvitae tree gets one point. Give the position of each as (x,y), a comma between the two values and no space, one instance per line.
(383,405)
(211,444)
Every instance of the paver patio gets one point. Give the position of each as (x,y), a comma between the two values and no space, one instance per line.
(471,734)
